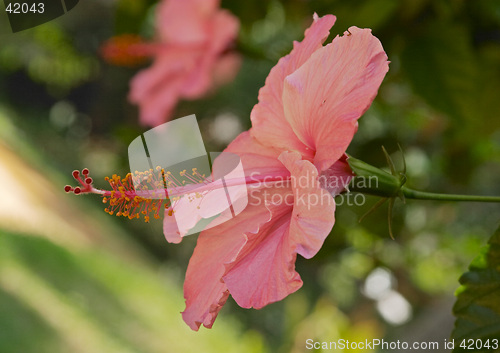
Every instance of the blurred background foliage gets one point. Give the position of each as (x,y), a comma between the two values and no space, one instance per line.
(75,279)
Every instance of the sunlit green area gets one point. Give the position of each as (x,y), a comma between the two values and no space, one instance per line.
(73,279)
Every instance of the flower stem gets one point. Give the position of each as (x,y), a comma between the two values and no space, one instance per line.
(422,195)
(371,180)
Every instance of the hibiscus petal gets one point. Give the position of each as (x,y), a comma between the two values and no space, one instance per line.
(166,64)
(257,159)
(184,21)
(324,98)
(302,217)
(223,28)
(226,68)
(147,89)
(336,178)
(204,291)
(228,191)
(268,120)
(178,221)
(170,228)
(192,36)
(158,107)
(314,208)
(199,79)
(264,270)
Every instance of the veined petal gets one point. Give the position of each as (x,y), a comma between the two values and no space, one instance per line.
(257,158)
(314,208)
(204,291)
(179,220)
(302,217)
(268,120)
(264,270)
(336,178)
(324,98)
(170,229)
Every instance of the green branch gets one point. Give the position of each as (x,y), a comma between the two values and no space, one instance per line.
(422,195)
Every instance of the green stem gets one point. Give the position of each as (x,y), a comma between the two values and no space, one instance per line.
(422,195)
(371,180)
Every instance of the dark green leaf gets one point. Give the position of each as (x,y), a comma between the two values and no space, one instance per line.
(478,304)
(442,68)
(130,15)
(447,71)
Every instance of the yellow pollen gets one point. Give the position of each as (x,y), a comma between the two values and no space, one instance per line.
(123,200)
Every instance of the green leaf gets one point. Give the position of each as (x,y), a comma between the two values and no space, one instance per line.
(373,14)
(455,78)
(478,301)
(443,69)
(130,15)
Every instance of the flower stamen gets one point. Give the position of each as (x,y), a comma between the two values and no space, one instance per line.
(153,191)
(141,193)
(126,50)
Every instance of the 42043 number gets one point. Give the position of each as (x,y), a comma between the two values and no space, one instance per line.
(25,8)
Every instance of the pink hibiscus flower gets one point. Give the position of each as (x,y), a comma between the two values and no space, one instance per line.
(190,56)
(294,162)
(294,157)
